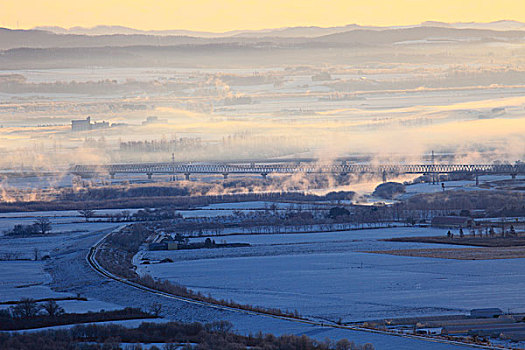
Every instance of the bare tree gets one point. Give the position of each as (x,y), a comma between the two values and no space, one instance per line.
(43,225)
(155,309)
(26,308)
(53,309)
(87,213)
(219,327)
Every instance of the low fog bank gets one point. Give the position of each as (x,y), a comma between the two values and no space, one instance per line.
(401,96)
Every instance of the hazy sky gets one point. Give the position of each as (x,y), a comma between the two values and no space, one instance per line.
(223,15)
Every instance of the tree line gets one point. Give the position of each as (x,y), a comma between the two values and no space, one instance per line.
(28,314)
(174,335)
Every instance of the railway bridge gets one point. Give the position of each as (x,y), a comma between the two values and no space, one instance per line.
(265,169)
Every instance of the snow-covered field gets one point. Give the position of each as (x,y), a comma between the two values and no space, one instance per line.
(30,279)
(465,185)
(124,323)
(24,247)
(63,221)
(68,274)
(330,276)
(226,209)
(25,279)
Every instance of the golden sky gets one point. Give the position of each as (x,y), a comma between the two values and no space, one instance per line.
(223,15)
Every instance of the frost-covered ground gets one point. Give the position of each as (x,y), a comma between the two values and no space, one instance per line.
(226,209)
(431,188)
(31,279)
(24,247)
(71,273)
(310,259)
(25,279)
(125,323)
(69,214)
(67,274)
(329,276)
(465,185)
(61,221)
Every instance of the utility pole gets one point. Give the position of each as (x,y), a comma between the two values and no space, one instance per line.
(173,166)
(433,169)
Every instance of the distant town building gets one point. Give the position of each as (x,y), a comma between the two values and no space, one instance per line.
(452,221)
(154,120)
(101,125)
(86,125)
(81,125)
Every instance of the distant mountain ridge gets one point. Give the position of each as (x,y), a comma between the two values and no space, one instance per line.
(346,36)
(300,31)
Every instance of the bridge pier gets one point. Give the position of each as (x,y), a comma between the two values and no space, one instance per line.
(225,175)
(112,175)
(264,175)
(513,176)
(477,179)
(187,176)
(149,175)
(384,176)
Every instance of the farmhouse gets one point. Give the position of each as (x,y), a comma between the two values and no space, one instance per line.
(164,244)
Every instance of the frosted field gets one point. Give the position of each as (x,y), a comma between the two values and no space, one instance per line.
(30,279)
(64,221)
(24,279)
(352,237)
(328,276)
(23,247)
(226,209)
(125,323)
(71,214)
(463,185)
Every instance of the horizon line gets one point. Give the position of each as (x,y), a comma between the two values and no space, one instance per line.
(43,27)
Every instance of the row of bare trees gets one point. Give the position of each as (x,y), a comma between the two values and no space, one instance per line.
(42,225)
(29,308)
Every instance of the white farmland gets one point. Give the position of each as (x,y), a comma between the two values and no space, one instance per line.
(328,276)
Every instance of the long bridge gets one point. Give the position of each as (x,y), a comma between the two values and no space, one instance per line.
(264,169)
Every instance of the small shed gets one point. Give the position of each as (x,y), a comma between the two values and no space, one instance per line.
(452,221)
(486,313)
(172,245)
